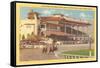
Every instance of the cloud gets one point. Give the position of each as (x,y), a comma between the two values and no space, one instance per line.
(47,12)
(82,15)
(67,14)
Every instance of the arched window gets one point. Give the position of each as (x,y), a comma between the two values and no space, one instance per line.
(28,36)
(23,37)
(32,33)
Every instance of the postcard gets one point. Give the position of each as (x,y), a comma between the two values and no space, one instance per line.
(47,33)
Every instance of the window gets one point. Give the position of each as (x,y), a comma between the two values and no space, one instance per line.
(28,26)
(42,26)
(23,37)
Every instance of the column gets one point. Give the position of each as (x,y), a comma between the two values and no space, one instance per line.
(77,30)
(45,30)
(65,28)
(71,34)
(82,36)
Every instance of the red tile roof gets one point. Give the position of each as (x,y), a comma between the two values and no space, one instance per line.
(53,25)
(71,22)
(51,18)
(66,20)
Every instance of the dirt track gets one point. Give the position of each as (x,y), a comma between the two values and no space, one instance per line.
(36,53)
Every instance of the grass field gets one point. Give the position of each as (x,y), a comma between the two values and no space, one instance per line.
(80,52)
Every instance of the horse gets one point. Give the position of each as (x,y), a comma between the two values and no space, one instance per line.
(50,46)
(59,43)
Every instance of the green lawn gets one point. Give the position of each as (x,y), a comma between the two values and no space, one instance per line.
(80,52)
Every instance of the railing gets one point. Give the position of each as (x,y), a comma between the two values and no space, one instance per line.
(70,56)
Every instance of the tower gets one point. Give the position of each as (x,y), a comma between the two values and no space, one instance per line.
(30,24)
(33,16)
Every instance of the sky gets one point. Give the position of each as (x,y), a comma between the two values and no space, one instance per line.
(78,14)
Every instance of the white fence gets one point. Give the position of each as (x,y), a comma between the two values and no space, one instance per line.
(70,56)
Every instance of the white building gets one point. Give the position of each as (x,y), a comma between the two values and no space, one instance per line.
(29,25)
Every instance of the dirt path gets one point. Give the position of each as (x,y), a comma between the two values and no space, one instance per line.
(35,54)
